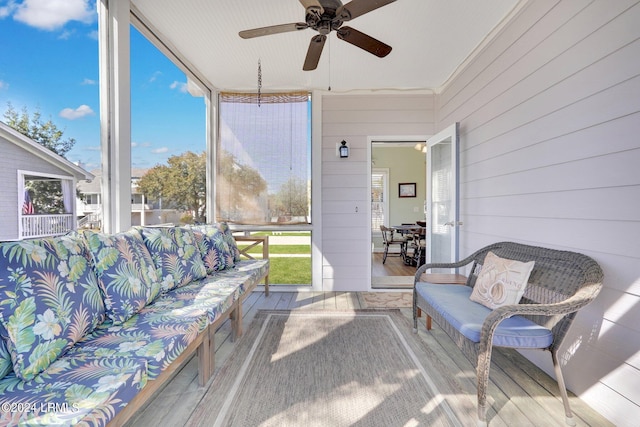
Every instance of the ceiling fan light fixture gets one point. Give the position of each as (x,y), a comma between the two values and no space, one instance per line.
(325,16)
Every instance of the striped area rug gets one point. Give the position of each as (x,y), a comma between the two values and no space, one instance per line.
(319,368)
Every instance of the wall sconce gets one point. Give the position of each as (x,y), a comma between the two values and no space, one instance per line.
(343,150)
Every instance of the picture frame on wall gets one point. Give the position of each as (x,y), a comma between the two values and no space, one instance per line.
(407,189)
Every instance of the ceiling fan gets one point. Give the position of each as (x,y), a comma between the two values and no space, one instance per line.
(325,16)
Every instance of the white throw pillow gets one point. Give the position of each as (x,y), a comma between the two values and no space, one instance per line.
(501,281)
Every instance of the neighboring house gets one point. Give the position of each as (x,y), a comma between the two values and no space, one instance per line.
(25,160)
(143,212)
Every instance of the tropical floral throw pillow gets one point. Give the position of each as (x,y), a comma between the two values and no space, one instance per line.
(176,254)
(50,299)
(501,281)
(126,273)
(228,237)
(217,252)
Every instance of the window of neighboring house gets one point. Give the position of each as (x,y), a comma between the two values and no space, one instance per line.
(92,199)
(263,170)
(47,205)
(47,195)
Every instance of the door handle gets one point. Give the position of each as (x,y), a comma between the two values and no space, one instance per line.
(453,223)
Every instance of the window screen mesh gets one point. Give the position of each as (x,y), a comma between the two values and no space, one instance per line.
(264,158)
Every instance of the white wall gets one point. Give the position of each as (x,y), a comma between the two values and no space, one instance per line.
(549,116)
(346,234)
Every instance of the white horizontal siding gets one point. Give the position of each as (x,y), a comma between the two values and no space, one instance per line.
(346,202)
(549,115)
(15,158)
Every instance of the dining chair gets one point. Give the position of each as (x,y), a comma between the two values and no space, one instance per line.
(389,239)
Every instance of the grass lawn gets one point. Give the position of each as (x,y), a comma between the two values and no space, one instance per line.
(296,271)
(287,270)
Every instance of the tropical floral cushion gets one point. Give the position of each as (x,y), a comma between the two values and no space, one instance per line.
(162,330)
(245,274)
(218,247)
(5,360)
(126,272)
(75,390)
(176,255)
(49,300)
(228,237)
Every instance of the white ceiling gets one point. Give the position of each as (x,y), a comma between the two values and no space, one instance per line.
(430,39)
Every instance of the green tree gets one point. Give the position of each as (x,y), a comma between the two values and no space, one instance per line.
(44,133)
(46,194)
(292,200)
(181,184)
(238,188)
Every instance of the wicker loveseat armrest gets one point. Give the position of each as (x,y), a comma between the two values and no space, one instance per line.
(572,304)
(581,298)
(423,268)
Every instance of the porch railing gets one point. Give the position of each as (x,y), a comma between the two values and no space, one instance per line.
(46,225)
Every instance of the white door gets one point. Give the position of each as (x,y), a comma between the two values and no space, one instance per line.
(442,196)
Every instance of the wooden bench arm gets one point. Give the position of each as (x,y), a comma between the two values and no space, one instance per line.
(255,241)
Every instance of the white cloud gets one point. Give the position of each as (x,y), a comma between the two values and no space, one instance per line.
(160,150)
(52,14)
(78,113)
(182,87)
(87,81)
(3,85)
(155,76)
(134,144)
(7,10)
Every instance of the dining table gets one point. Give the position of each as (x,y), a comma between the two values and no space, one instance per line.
(417,233)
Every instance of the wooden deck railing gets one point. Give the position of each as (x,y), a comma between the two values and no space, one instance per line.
(45,225)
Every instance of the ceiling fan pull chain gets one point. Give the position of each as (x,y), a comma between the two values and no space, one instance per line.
(329,64)
(259,81)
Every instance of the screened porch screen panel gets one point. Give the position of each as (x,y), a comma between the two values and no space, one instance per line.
(263,171)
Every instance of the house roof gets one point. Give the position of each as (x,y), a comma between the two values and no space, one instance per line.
(94,186)
(431,39)
(44,153)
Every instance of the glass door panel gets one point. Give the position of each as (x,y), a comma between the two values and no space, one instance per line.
(442,196)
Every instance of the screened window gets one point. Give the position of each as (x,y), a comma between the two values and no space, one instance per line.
(263,171)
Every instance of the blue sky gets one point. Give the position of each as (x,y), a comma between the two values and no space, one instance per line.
(49,61)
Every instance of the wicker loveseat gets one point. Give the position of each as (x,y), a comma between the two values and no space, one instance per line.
(92,325)
(559,285)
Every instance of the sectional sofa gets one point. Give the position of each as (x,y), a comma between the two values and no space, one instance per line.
(91,324)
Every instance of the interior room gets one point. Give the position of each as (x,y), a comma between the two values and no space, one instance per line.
(533,107)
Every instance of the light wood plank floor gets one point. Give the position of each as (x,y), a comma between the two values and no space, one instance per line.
(393,274)
(521,394)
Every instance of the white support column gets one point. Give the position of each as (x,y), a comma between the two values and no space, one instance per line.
(211,101)
(115,113)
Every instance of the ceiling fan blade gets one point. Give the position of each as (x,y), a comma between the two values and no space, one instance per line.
(314,52)
(274,29)
(313,5)
(356,8)
(364,41)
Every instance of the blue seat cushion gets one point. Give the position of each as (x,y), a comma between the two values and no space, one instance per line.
(453,304)
(73,390)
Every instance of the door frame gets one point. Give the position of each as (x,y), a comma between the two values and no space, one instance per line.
(383,139)
(450,132)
